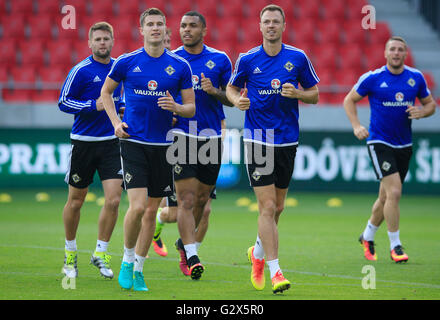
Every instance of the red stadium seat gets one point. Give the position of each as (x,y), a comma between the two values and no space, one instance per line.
(232,8)
(250,30)
(125,29)
(101,7)
(25,74)
(41,26)
(32,53)
(354,9)
(8,52)
(23,7)
(60,53)
(50,6)
(288,7)
(4,75)
(121,47)
(380,35)
(48,95)
(209,8)
(13,26)
(333,10)
(308,10)
(253,8)
(227,30)
(16,95)
(374,59)
(329,31)
(179,8)
(326,57)
(131,7)
(355,34)
(81,51)
(52,75)
(351,57)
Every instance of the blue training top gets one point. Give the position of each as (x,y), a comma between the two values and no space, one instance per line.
(217,66)
(264,76)
(78,96)
(389,96)
(145,80)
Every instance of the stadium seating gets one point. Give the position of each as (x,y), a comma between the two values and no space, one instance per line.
(330,32)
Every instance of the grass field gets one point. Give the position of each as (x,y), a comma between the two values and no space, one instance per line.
(319,252)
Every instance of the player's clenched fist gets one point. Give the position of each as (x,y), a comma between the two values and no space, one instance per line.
(289,91)
(360,132)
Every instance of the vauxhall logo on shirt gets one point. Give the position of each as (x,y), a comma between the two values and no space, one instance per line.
(399,101)
(152,87)
(275,84)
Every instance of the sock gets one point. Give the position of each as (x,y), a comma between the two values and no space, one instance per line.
(258,249)
(70,245)
(394,239)
(273,267)
(370,231)
(139,263)
(198,244)
(158,216)
(129,255)
(190,250)
(101,246)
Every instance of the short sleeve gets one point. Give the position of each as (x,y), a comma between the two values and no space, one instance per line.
(308,77)
(226,71)
(239,76)
(118,71)
(363,86)
(423,88)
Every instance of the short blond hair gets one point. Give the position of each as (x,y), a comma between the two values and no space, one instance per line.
(102,25)
(396,38)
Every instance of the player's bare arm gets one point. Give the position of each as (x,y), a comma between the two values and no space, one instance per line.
(350,109)
(426,110)
(240,100)
(188,107)
(309,95)
(109,105)
(218,93)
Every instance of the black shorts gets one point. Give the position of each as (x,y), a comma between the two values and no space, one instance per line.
(197,158)
(88,157)
(388,160)
(146,166)
(172,200)
(268,165)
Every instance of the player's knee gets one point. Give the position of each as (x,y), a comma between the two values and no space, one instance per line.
(394,194)
(201,200)
(112,203)
(279,208)
(267,206)
(137,209)
(75,204)
(187,200)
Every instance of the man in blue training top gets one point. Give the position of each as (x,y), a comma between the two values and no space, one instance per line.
(151,77)
(94,148)
(198,141)
(392,91)
(270,75)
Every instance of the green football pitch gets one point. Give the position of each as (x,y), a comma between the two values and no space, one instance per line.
(319,252)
